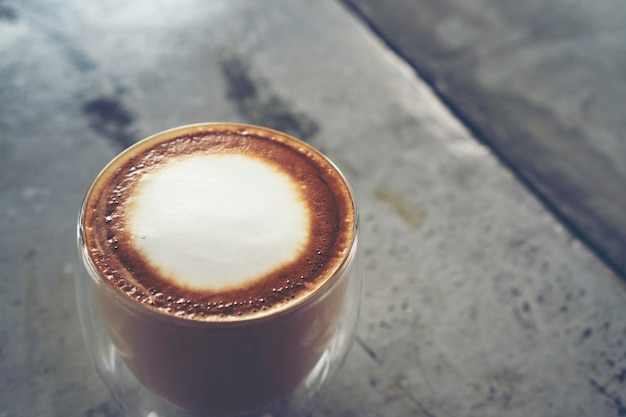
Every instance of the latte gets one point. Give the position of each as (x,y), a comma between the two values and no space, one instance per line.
(222,255)
(220,222)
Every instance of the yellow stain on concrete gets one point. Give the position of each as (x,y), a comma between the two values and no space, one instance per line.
(411,215)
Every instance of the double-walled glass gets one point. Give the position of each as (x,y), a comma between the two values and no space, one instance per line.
(160,365)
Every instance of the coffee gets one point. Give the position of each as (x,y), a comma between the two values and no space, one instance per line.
(219,223)
(221,252)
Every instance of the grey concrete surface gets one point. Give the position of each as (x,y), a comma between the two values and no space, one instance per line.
(541,83)
(478,302)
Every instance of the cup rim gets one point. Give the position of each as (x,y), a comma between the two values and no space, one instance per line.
(317,295)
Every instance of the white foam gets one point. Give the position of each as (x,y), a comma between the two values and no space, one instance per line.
(218,221)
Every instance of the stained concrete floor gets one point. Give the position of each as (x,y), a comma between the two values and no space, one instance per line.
(478,300)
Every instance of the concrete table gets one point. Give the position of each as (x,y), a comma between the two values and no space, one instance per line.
(478,302)
(543,84)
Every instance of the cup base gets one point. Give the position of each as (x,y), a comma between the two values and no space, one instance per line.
(138,401)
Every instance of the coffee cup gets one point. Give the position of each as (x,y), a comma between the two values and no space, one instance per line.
(220,256)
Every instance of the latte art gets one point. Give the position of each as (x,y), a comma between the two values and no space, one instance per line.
(218,221)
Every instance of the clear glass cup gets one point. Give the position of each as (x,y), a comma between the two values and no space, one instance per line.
(245,368)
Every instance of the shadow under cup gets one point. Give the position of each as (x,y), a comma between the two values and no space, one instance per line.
(221,368)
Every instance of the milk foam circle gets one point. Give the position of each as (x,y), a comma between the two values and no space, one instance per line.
(218,221)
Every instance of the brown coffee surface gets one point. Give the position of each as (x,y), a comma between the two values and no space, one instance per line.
(332,229)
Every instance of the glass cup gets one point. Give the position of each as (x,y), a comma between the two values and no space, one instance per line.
(160,365)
